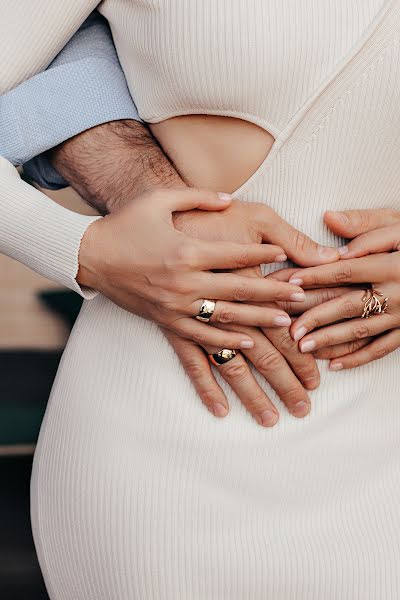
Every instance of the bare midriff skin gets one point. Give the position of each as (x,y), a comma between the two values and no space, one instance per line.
(214,152)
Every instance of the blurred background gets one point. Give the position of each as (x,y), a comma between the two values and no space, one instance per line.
(36,316)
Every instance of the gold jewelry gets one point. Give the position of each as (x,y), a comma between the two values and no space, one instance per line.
(372,304)
(206,310)
(222,357)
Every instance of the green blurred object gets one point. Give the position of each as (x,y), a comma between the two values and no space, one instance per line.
(64,303)
(26,377)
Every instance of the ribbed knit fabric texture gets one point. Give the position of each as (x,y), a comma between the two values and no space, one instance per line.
(33,229)
(38,232)
(138,493)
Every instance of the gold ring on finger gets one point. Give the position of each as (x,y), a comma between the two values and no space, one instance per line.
(373,305)
(222,357)
(206,310)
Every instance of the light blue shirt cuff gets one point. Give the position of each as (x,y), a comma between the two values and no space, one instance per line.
(83,87)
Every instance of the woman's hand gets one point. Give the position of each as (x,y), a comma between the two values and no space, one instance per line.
(140,261)
(371,259)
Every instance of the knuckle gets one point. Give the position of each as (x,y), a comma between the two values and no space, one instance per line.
(393,214)
(325,340)
(347,309)
(257,403)
(166,299)
(177,285)
(226,315)
(207,396)
(325,353)
(194,369)
(268,361)
(285,341)
(241,293)
(235,371)
(291,395)
(199,338)
(354,362)
(343,274)
(360,331)
(255,233)
(354,345)
(380,351)
(330,294)
(306,366)
(300,241)
(243,259)
(313,323)
(183,258)
(286,306)
(363,219)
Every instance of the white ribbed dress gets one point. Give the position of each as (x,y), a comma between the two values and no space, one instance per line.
(138,492)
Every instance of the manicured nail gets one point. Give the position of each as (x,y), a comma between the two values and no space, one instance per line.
(301,332)
(280,258)
(301,409)
(296,281)
(343,250)
(282,321)
(268,418)
(326,252)
(298,297)
(247,344)
(308,346)
(225,197)
(335,366)
(219,409)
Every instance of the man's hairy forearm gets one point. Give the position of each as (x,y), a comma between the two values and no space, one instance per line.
(112,163)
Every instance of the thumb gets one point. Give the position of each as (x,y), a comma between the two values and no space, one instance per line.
(301,249)
(383,239)
(350,223)
(182,199)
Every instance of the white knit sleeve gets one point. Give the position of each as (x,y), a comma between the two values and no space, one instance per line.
(38,232)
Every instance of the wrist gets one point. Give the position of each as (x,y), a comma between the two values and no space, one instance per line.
(109,165)
(146,181)
(88,258)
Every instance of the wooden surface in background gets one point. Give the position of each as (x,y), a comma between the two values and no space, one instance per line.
(24,322)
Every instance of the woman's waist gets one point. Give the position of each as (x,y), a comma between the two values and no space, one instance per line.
(212,151)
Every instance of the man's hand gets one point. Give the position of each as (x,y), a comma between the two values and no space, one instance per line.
(275,355)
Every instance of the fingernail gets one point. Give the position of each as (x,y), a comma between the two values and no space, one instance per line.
(298,297)
(312,383)
(326,252)
(343,250)
(301,409)
(308,346)
(219,409)
(335,366)
(296,281)
(225,197)
(247,344)
(282,321)
(301,332)
(281,258)
(268,417)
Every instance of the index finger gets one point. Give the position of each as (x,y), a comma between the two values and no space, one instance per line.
(230,255)
(375,268)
